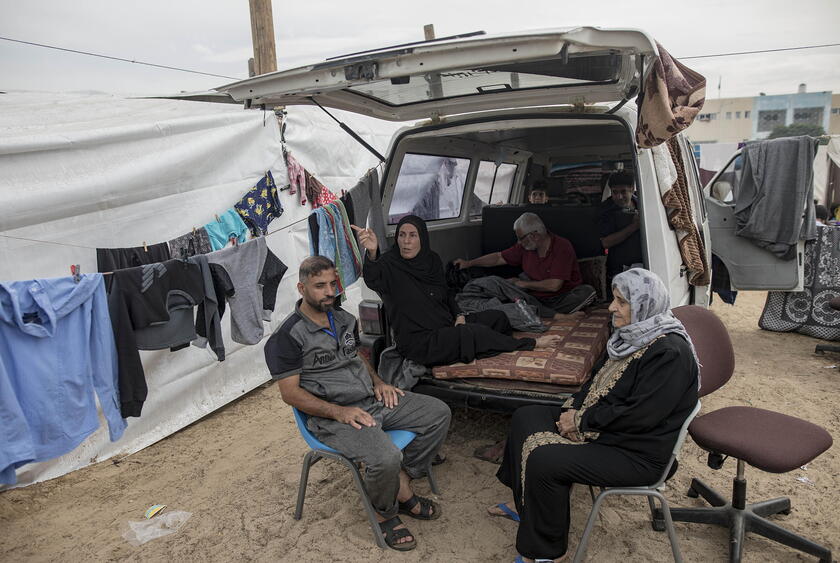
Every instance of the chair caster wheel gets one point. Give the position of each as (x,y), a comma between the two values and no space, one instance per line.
(658,525)
(692,493)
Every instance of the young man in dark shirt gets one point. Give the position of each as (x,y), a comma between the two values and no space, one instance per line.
(314,360)
(619,226)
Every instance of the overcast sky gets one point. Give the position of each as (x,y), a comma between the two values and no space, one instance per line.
(215,36)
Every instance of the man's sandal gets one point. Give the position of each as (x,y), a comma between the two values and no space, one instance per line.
(393,536)
(429,509)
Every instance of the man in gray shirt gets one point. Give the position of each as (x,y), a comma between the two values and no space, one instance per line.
(313,358)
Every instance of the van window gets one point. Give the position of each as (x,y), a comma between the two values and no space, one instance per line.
(429,186)
(492,185)
(726,185)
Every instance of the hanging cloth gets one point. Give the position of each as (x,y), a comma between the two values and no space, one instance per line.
(297,177)
(672,97)
(260,205)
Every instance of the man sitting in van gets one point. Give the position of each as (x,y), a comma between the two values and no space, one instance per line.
(549,266)
(619,226)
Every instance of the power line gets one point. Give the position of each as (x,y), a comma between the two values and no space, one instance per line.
(117,58)
(239,78)
(761,51)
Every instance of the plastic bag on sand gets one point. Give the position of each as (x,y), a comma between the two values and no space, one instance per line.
(161,525)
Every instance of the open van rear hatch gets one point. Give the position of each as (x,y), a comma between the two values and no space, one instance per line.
(465,74)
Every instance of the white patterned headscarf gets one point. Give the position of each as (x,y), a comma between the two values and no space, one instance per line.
(650,314)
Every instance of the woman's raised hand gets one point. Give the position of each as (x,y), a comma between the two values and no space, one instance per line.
(367,238)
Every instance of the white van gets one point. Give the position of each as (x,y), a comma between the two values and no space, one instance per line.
(494,110)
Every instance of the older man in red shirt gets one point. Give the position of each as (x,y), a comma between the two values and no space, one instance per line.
(548,262)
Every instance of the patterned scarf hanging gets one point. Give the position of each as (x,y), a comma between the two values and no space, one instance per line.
(672,97)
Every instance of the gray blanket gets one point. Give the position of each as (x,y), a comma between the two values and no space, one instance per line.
(775,188)
(493,292)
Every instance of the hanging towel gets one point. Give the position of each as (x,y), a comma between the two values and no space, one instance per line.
(317,192)
(260,205)
(56,350)
(681,217)
(350,239)
(345,260)
(110,259)
(672,97)
(326,241)
(194,242)
(229,225)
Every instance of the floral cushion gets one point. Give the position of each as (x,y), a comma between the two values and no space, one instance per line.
(570,363)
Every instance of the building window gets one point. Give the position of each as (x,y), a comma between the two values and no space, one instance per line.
(747,114)
(770,119)
(729,115)
(737,115)
(835,111)
(811,116)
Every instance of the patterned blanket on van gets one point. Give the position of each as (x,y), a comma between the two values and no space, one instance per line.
(583,341)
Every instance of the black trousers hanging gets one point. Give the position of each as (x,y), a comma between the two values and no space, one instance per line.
(544,508)
(485,334)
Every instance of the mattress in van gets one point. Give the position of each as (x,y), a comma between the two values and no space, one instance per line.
(570,363)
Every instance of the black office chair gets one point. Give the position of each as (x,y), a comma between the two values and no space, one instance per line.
(764,439)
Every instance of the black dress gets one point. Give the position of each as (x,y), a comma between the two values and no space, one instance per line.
(422,312)
(631,431)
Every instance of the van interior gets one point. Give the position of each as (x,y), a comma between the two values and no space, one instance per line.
(470,182)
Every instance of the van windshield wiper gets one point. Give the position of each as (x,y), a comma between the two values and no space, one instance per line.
(350,132)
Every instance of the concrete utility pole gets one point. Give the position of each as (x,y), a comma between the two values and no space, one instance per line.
(262,34)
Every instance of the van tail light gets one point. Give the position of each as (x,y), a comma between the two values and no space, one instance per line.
(372,317)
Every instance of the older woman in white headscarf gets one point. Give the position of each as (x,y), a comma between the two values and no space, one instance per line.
(619,430)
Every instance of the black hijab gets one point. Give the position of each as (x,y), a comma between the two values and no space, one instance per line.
(426,267)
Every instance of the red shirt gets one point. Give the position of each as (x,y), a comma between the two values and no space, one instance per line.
(559,263)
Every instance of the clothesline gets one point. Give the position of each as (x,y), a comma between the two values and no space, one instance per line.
(94,248)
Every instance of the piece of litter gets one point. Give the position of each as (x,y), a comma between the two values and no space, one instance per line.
(804,467)
(154,510)
(805,480)
(138,533)
(830,367)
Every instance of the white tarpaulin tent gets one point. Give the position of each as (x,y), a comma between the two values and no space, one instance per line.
(81,171)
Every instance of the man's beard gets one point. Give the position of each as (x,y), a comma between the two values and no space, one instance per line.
(323,306)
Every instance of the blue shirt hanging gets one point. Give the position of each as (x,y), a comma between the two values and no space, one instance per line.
(56,349)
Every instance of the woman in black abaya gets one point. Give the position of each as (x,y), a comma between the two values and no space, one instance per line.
(619,430)
(428,326)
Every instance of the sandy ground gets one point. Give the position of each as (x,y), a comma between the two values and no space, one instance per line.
(237,471)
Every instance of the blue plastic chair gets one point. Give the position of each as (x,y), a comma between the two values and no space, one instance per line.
(319,451)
